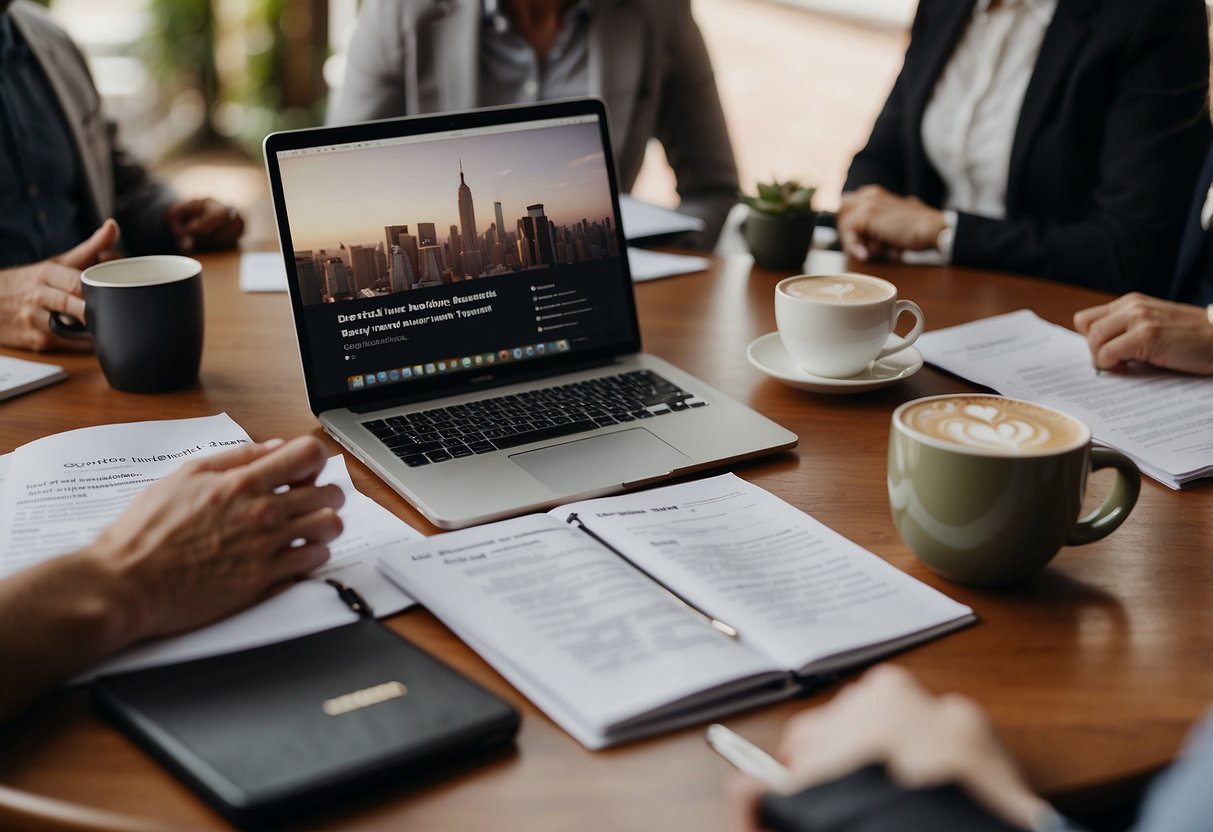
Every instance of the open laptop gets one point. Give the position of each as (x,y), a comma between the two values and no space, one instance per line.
(466,319)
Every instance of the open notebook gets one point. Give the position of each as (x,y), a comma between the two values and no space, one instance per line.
(578,617)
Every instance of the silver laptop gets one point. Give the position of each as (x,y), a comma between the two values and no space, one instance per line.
(466,319)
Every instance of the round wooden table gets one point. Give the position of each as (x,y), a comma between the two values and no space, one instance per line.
(1092,671)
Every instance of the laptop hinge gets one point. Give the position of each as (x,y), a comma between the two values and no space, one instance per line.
(400,401)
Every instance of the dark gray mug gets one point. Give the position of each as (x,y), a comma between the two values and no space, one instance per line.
(145,316)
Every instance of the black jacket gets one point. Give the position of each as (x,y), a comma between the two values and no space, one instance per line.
(1112,133)
(1193,281)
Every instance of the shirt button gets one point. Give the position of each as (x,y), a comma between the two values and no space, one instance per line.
(530,87)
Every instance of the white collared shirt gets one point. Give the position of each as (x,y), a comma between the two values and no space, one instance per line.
(1206,211)
(969,124)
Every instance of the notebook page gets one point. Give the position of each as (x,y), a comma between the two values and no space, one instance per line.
(793,588)
(579,631)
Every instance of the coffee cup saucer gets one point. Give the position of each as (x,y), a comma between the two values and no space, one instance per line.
(767,354)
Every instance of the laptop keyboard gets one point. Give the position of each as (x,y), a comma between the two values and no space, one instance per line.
(503,422)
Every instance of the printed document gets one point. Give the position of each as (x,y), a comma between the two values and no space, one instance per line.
(641,219)
(650,265)
(59,491)
(584,609)
(19,376)
(1160,419)
(262,271)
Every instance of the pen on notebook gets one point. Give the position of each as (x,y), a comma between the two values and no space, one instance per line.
(352,598)
(748,758)
(716,623)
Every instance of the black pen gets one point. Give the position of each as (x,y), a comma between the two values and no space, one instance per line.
(716,623)
(352,598)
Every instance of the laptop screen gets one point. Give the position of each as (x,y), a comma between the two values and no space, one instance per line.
(425,260)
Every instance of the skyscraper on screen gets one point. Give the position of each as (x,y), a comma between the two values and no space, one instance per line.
(472,260)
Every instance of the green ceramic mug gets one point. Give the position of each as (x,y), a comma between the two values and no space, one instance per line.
(986,489)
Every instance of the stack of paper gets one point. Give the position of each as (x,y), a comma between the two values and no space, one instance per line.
(1162,420)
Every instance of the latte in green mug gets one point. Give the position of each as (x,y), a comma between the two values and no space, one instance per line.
(985,489)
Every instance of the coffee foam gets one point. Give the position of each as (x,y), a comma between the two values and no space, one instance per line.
(993,424)
(837,288)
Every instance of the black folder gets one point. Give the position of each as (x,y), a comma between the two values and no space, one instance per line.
(265,733)
(868,800)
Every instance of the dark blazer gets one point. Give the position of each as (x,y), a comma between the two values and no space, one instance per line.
(1193,281)
(1113,128)
(117,186)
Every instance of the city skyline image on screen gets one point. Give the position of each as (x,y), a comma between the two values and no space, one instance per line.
(376,220)
(421,259)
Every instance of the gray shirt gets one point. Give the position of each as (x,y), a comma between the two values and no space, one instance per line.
(511,72)
(1178,800)
(645,58)
(1182,796)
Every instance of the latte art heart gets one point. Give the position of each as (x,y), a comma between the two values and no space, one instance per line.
(1013,434)
(838,288)
(985,414)
(993,424)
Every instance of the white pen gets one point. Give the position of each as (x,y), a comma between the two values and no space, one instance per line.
(748,758)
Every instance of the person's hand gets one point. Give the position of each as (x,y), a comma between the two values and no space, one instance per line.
(1136,327)
(28,294)
(923,740)
(875,224)
(204,225)
(218,535)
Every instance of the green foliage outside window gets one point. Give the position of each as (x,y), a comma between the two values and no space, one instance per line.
(181,49)
(180,53)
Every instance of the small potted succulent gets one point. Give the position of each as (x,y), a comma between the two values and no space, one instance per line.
(779,227)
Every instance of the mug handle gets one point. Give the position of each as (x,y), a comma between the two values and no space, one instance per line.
(898,308)
(1108,517)
(68,327)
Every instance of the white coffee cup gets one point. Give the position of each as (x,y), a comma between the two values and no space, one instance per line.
(835,325)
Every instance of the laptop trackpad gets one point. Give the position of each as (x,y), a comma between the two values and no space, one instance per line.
(599,461)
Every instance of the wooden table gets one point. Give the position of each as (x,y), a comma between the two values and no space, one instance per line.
(1092,671)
